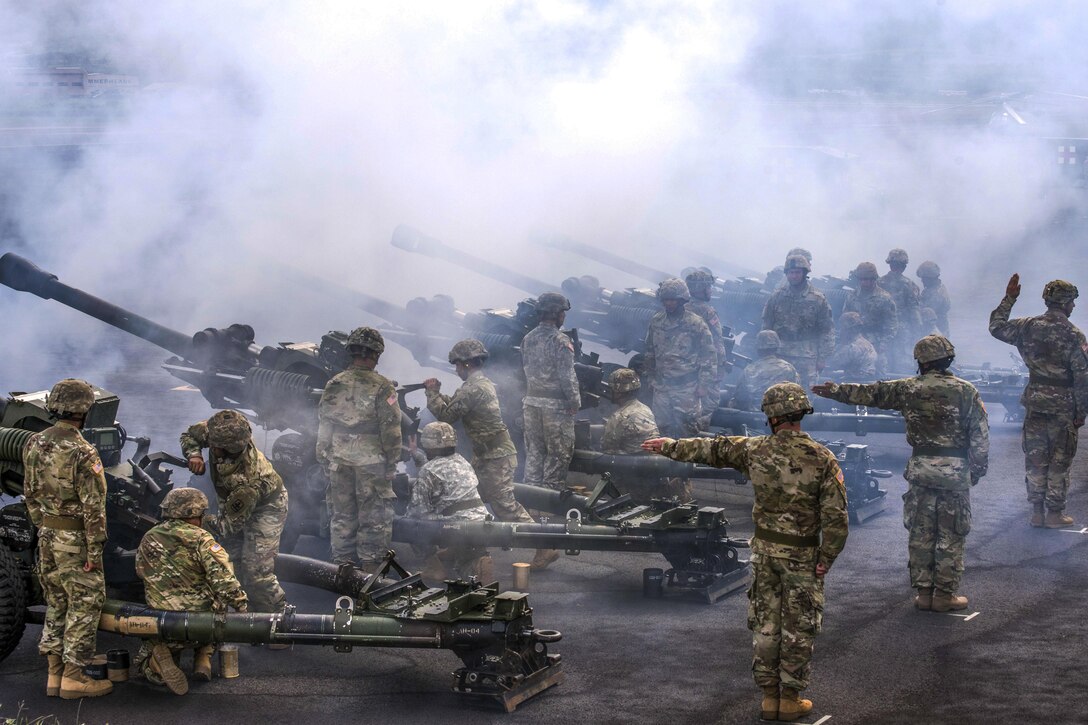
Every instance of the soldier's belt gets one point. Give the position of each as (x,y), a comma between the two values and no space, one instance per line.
(550,395)
(64,523)
(461,506)
(948,451)
(692,377)
(1044,380)
(777,537)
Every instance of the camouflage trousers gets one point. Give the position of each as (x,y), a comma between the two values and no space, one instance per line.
(496,487)
(1050,443)
(805,366)
(362,513)
(549,446)
(253,550)
(678,411)
(143,656)
(785,613)
(938,521)
(73,597)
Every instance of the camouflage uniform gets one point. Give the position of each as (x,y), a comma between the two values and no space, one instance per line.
(948,430)
(761,374)
(624,431)
(476,405)
(680,360)
(905,295)
(855,356)
(703,281)
(801,521)
(446,490)
(880,322)
(252,539)
(803,322)
(936,298)
(1055,351)
(359,441)
(65,490)
(548,357)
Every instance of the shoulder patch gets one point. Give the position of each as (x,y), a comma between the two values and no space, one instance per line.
(392,399)
(1084,348)
(216,547)
(97,467)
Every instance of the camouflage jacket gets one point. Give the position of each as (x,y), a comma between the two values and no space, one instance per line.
(879,319)
(358,420)
(63,476)
(444,482)
(624,430)
(936,298)
(758,376)
(183,568)
(476,405)
(798,487)
(680,353)
(248,468)
(1056,355)
(709,315)
(905,295)
(547,355)
(802,320)
(946,425)
(856,358)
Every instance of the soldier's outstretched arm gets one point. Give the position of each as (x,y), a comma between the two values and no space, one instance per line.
(834,517)
(445,408)
(1000,326)
(720,452)
(878,395)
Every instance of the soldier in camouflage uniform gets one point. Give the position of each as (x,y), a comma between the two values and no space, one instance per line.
(801,316)
(447,490)
(880,321)
(855,356)
(801,526)
(948,430)
(763,372)
(905,294)
(700,282)
(1056,397)
(184,569)
(681,363)
(65,491)
(359,444)
(251,497)
(934,295)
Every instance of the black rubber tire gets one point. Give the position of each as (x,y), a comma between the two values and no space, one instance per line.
(12,602)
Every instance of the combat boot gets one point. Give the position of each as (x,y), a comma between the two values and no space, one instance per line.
(924,599)
(162,664)
(543,559)
(1057,520)
(948,602)
(791,706)
(74,684)
(1036,519)
(56,672)
(202,663)
(769,708)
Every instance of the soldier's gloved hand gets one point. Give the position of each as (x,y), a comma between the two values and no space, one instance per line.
(432,384)
(1012,290)
(196,464)
(825,389)
(240,503)
(655,445)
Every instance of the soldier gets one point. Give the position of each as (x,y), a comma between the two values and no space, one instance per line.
(251,497)
(801,316)
(700,282)
(446,490)
(948,430)
(929,322)
(184,569)
(1056,396)
(359,443)
(65,491)
(934,295)
(801,526)
(906,297)
(764,372)
(880,323)
(855,355)
(681,362)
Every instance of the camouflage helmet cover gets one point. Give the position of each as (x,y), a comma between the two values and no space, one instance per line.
(768,340)
(866,270)
(184,503)
(552,303)
(928,270)
(366,338)
(1060,292)
(673,289)
(229,430)
(850,320)
(802,251)
(70,396)
(438,435)
(797,261)
(624,380)
(782,399)
(699,276)
(897,256)
(933,347)
(467,350)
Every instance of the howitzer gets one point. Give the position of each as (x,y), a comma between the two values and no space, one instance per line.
(859,421)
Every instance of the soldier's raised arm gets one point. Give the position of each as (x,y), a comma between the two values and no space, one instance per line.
(1000,326)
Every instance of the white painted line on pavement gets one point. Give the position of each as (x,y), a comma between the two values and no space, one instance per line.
(966,617)
(972,616)
(1076,531)
(824,719)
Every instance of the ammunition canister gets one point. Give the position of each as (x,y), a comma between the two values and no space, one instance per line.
(117,665)
(228,660)
(653,582)
(521,577)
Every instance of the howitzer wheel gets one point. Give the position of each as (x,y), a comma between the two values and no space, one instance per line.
(12,602)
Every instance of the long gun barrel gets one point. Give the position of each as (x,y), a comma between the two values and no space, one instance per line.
(608,258)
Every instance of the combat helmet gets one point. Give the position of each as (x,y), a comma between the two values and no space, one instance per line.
(70,396)
(866,270)
(850,321)
(673,289)
(436,436)
(1060,292)
(229,430)
(768,341)
(928,270)
(467,350)
(699,279)
(782,399)
(184,503)
(624,380)
(802,251)
(364,339)
(933,347)
(552,303)
(897,256)
(797,261)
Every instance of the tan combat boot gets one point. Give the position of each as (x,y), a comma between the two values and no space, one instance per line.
(1057,520)
(543,559)
(948,602)
(74,684)
(791,706)
(1037,515)
(162,664)
(924,599)
(56,672)
(202,663)
(769,708)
